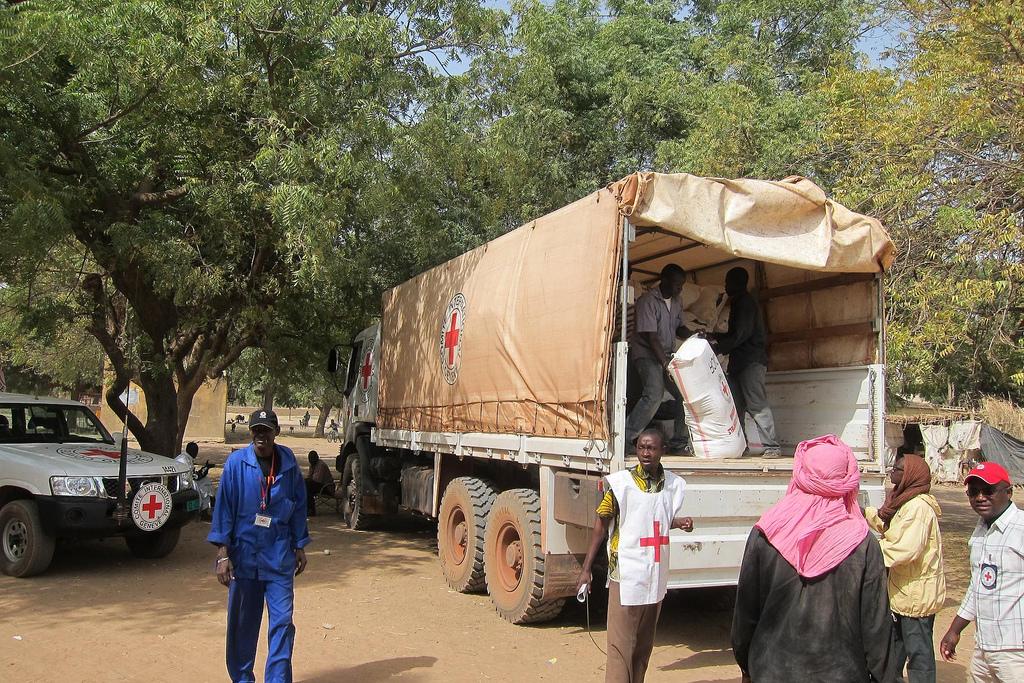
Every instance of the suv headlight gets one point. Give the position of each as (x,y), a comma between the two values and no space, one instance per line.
(185,480)
(76,486)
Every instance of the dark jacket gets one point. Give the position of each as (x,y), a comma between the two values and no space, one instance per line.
(836,627)
(746,340)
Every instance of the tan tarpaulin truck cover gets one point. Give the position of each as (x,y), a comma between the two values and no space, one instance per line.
(514,337)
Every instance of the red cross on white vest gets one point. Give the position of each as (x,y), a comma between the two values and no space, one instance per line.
(366,371)
(451,338)
(152,506)
(657,540)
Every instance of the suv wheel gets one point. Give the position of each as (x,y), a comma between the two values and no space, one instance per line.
(152,545)
(25,549)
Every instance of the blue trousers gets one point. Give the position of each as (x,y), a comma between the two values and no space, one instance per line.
(245,615)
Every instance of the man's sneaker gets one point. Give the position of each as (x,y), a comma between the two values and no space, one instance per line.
(772,452)
(678,449)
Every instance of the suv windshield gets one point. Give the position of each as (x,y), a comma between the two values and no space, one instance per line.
(40,423)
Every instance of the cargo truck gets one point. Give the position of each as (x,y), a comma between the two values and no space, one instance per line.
(491,396)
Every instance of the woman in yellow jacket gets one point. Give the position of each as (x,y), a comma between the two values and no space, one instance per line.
(912,549)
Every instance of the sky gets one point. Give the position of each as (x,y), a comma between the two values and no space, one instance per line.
(873,43)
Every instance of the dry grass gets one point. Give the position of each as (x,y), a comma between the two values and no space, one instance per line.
(1004,416)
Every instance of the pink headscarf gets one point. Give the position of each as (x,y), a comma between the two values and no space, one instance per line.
(817,524)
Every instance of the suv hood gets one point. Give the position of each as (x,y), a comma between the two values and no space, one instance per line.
(88,459)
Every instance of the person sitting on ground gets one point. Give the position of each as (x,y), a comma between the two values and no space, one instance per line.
(811,602)
(318,482)
(911,544)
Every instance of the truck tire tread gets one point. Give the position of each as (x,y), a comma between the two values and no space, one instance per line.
(534,609)
(481,497)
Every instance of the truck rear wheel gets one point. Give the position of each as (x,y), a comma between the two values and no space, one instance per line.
(460,532)
(26,548)
(153,545)
(514,560)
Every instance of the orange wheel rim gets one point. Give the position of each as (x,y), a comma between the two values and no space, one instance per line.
(457,536)
(509,557)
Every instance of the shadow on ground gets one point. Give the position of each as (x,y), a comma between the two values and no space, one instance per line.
(379,670)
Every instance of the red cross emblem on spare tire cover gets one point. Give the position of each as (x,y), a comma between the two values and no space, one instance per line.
(151,506)
(453,327)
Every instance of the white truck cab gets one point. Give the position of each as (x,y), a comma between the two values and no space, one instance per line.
(58,480)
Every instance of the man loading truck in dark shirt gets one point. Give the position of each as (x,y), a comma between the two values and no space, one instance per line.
(745,343)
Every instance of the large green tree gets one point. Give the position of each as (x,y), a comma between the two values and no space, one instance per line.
(215,160)
(931,146)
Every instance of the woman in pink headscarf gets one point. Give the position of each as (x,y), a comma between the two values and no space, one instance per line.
(811,604)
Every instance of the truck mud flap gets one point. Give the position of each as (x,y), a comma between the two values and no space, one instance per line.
(561,572)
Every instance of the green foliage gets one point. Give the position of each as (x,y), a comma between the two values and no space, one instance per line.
(931,147)
(225,166)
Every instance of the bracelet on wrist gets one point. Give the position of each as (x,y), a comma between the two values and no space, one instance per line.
(222,559)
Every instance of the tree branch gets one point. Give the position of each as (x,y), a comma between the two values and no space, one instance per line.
(113,118)
(159,198)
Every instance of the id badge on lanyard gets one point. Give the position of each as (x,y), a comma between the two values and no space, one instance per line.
(266,484)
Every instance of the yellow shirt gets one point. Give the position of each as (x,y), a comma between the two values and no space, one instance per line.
(912,550)
(608,508)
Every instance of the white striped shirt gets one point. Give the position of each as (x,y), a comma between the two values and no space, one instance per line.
(995,597)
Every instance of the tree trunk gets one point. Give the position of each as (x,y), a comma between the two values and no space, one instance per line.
(268,395)
(325,412)
(161,433)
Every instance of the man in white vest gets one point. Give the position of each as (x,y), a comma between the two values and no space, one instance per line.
(639,507)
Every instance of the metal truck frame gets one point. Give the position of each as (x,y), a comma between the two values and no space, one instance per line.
(515,511)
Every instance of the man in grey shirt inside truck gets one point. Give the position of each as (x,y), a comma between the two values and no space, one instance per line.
(659,319)
(745,342)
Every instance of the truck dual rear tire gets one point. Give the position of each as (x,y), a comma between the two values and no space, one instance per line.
(25,548)
(461,522)
(514,559)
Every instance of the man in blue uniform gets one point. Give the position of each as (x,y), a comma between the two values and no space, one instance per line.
(259,527)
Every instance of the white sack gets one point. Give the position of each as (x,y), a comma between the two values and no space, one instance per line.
(689,294)
(715,431)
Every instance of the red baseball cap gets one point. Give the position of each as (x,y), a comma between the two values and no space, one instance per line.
(990,473)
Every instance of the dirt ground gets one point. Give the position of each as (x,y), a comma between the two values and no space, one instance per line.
(374,609)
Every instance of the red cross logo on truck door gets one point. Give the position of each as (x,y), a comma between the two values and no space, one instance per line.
(365,374)
(655,541)
(453,328)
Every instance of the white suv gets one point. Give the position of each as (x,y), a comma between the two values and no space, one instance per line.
(58,479)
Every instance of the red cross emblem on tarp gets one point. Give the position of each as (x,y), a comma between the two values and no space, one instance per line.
(452,337)
(101,453)
(366,371)
(655,541)
(152,506)
(453,327)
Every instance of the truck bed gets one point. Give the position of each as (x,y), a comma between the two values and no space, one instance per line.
(683,463)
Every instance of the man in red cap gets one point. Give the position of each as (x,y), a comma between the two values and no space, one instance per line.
(995,597)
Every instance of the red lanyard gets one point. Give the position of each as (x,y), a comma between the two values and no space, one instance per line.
(267,482)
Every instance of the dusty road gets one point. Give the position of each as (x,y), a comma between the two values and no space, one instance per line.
(374,609)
